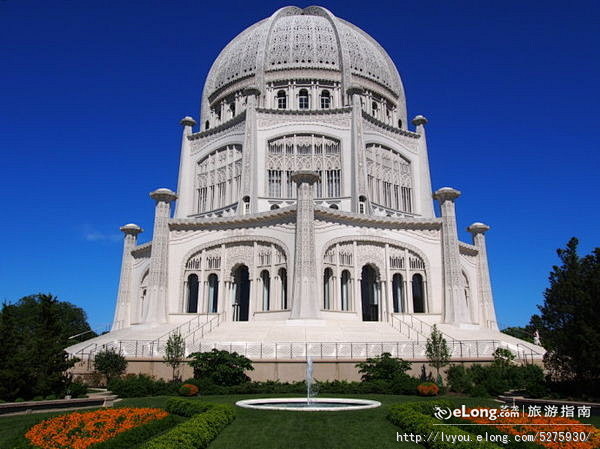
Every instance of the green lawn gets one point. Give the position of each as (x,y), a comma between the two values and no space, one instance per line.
(264,429)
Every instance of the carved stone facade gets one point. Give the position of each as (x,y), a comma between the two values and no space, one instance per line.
(305,198)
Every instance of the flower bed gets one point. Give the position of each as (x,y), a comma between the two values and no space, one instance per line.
(82,430)
(533,425)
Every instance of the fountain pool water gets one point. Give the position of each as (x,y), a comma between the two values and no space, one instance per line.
(310,403)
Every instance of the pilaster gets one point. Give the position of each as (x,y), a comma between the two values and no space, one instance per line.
(185,184)
(455,308)
(488,312)
(358,160)
(156,311)
(122,309)
(424,177)
(249,181)
(305,299)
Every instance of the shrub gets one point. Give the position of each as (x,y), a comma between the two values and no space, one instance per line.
(428,389)
(77,389)
(138,435)
(195,433)
(404,384)
(383,367)
(221,367)
(459,379)
(186,407)
(188,390)
(138,385)
(110,363)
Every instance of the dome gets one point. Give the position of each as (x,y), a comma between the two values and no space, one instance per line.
(307,39)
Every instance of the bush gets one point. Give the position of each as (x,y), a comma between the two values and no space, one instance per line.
(77,389)
(139,385)
(188,390)
(383,367)
(186,407)
(110,363)
(415,417)
(195,433)
(459,379)
(221,367)
(404,384)
(428,389)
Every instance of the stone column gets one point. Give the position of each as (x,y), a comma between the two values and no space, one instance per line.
(185,185)
(156,311)
(305,298)
(486,299)
(122,309)
(425,205)
(455,308)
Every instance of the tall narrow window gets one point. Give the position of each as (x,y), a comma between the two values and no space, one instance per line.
(232,109)
(327,290)
(281,99)
(374,108)
(206,125)
(362,207)
(283,280)
(266,287)
(398,293)
(399,123)
(303,102)
(192,293)
(274,181)
(213,293)
(418,293)
(345,280)
(325,99)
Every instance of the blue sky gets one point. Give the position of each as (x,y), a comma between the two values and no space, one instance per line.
(91,94)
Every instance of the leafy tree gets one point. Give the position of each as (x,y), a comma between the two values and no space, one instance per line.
(524,333)
(383,367)
(221,367)
(503,357)
(437,350)
(175,353)
(34,332)
(110,363)
(568,322)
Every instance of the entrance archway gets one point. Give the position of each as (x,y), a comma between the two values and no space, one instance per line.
(241,293)
(369,288)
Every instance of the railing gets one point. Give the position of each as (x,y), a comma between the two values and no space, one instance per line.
(459,349)
(420,328)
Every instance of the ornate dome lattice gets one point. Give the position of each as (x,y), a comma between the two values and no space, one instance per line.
(295,39)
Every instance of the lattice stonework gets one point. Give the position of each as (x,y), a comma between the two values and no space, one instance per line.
(303,152)
(218,178)
(389,178)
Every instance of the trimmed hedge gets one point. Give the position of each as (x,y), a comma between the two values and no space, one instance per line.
(186,407)
(138,435)
(195,433)
(412,417)
(141,385)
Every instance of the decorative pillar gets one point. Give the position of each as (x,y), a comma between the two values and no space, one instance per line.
(486,299)
(156,311)
(122,309)
(455,308)
(425,205)
(249,176)
(185,185)
(358,161)
(305,299)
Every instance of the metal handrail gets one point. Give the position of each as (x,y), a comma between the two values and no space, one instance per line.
(421,323)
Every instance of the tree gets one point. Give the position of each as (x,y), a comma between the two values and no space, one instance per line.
(524,333)
(34,332)
(437,351)
(174,353)
(568,322)
(110,363)
(221,367)
(383,367)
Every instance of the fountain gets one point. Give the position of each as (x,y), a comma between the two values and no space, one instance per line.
(310,403)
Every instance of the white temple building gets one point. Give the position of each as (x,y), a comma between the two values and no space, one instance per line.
(304,221)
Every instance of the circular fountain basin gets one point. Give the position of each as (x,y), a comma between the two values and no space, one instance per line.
(302,405)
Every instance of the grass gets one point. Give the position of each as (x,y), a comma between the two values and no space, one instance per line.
(266,429)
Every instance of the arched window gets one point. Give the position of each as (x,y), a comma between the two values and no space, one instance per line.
(213,293)
(192,294)
(274,207)
(303,102)
(246,201)
(283,280)
(232,109)
(206,125)
(325,99)
(399,123)
(266,287)
(281,99)
(333,206)
(418,294)
(398,293)
(345,280)
(374,108)
(370,289)
(327,290)
(241,293)
(362,205)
